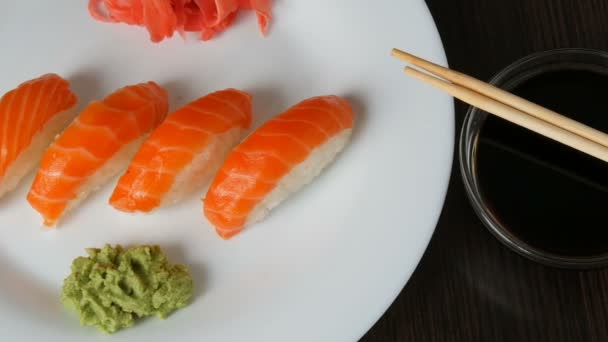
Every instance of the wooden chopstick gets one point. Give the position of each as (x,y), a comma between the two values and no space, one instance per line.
(505,97)
(514,115)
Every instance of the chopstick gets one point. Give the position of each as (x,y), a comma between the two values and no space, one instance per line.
(509,107)
(505,97)
(513,115)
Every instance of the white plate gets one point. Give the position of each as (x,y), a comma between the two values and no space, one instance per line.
(326,264)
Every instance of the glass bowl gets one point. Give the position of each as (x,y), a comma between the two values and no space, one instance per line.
(508,79)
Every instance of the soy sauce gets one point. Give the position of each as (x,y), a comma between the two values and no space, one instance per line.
(549,195)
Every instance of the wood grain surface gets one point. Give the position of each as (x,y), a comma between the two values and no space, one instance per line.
(468,286)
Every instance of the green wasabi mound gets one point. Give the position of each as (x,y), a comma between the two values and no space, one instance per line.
(112,287)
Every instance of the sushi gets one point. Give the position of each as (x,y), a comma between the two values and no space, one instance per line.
(31,115)
(97,145)
(277,159)
(182,155)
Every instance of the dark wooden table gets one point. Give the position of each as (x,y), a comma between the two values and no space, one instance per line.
(469,287)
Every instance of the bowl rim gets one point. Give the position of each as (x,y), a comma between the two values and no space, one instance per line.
(469,133)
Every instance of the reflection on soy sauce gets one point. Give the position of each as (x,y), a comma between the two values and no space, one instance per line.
(549,195)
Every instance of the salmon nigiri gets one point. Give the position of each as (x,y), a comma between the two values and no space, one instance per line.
(96,146)
(31,115)
(184,152)
(277,159)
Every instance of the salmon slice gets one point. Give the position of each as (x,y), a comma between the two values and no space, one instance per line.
(277,159)
(184,152)
(31,115)
(96,146)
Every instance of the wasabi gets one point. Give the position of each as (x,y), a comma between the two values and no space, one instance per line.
(112,287)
